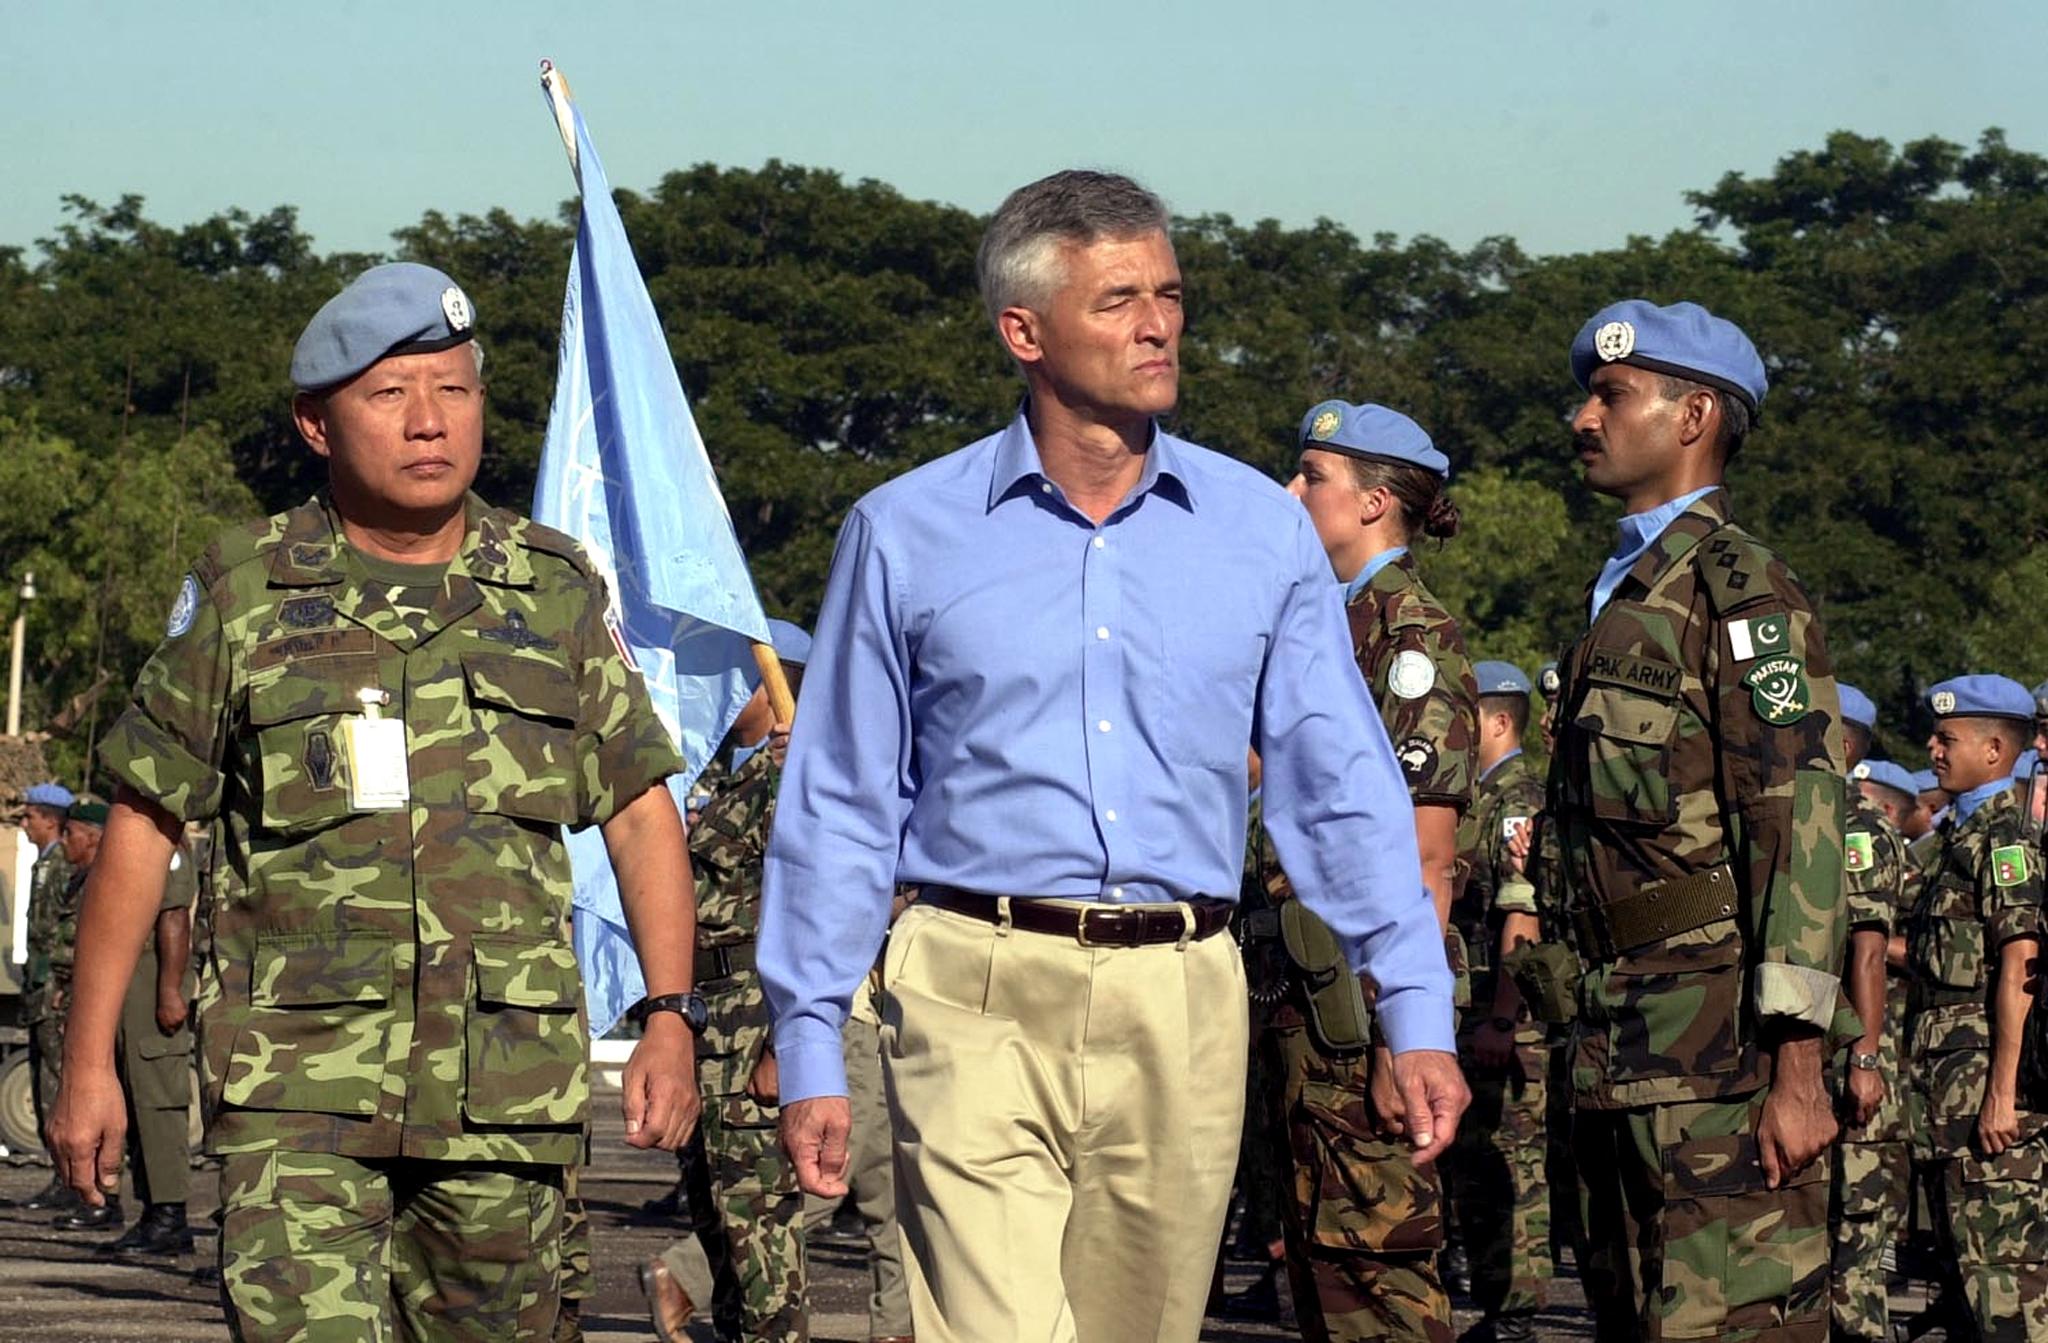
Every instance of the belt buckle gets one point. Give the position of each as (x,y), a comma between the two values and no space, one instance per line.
(1081,927)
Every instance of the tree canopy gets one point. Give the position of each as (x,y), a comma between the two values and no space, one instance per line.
(829,335)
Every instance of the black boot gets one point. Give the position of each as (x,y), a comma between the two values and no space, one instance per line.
(161,1230)
(1260,1301)
(56,1196)
(1456,1268)
(106,1217)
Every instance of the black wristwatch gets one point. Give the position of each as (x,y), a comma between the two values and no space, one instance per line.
(689,1006)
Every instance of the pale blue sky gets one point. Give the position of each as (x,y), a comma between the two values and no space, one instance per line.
(1566,124)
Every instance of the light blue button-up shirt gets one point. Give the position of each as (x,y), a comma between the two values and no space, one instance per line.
(1487,773)
(1372,567)
(1005,697)
(1638,532)
(1966,803)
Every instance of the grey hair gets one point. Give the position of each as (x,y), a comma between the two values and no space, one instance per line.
(476,347)
(1018,262)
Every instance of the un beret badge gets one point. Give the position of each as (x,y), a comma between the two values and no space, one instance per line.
(1616,340)
(1324,424)
(455,307)
(1944,701)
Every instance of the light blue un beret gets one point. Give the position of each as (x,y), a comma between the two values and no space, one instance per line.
(1890,773)
(400,307)
(1372,432)
(792,641)
(49,795)
(1500,678)
(1683,340)
(1857,707)
(1981,696)
(1924,781)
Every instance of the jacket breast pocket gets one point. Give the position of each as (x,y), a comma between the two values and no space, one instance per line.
(1951,940)
(1629,740)
(522,741)
(527,1046)
(319,1018)
(295,715)
(1205,691)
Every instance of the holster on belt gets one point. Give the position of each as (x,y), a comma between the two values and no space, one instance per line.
(1654,912)
(1548,975)
(1331,997)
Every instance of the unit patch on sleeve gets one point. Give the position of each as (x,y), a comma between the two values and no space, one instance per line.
(1858,854)
(1778,689)
(2009,864)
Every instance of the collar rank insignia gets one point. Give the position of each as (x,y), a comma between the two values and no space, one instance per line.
(304,613)
(516,632)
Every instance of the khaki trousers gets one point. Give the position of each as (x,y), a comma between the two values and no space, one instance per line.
(1066,1123)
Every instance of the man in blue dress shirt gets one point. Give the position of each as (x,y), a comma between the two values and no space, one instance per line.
(1038,667)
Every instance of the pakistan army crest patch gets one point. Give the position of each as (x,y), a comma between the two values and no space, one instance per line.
(1777,687)
(1858,855)
(2009,864)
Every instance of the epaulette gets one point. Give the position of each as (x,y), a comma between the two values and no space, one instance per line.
(539,536)
(237,545)
(1734,568)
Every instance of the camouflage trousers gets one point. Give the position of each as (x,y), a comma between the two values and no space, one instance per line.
(1872,1186)
(1683,1238)
(1365,1222)
(579,1283)
(317,1248)
(1992,1220)
(46,1061)
(1498,1163)
(747,1212)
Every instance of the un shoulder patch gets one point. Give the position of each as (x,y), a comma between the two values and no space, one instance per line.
(184,610)
(2009,864)
(1778,689)
(1858,853)
(1413,675)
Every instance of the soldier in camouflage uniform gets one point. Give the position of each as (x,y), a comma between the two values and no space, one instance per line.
(1366,1222)
(1696,797)
(755,1210)
(1872,1177)
(388,702)
(43,823)
(1497,1165)
(1974,930)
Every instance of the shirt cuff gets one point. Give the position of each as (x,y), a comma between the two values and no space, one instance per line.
(1417,1019)
(1516,896)
(1796,992)
(809,1061)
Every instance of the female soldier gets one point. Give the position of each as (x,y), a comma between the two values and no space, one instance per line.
(1365,1223)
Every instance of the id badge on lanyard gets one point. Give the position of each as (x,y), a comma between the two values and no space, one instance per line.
(374,747)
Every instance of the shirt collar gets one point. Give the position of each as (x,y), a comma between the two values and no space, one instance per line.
(1488,772)
(1017,461)
(1966,804)
(1371,571)
(1638,530)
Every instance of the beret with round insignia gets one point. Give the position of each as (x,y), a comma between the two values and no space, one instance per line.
(1890,774)
(400,307)
(1372,432)
(1983,695)
(1682,339)
(1500,678)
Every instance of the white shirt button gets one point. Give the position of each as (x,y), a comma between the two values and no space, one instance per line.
(1099,542)
(1116,892)
(1102,726)
(1102,631)
(1109,815)
(1045,487)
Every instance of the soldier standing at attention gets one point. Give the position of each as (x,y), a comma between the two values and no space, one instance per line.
(1697,798)
(1971,941)
(750,1218)
(1366,1220)
(1872,1172)
(43,823)
(388,702)
(1496,1170)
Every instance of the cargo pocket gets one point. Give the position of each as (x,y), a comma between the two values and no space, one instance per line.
(527,1046)
(1737,1257)
(2003,1214)
(319,1020)
(522,742)
(1681,999)
(296,715)
(1361,1192)
(1629,755)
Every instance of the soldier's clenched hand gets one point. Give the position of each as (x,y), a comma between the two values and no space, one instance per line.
(661,1100)
(1436,1096)
(87,1130)
(814,1133)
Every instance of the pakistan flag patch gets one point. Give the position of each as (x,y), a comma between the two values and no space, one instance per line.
(2009,864)
(1777,686)
(1857,853)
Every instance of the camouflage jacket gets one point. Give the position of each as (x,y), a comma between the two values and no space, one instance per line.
(1511,794)
(394,982)
(1410,652)
(1699,728)
(64,939)
(1983,889)
(47,882)
(1874,898)
(728,840)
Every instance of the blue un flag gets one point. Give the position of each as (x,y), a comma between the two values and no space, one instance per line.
(624,471)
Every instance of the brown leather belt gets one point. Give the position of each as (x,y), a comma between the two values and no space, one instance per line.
(1655,912)
(1095,926)
(724,962)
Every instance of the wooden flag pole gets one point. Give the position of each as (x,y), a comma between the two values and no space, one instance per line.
(779,697)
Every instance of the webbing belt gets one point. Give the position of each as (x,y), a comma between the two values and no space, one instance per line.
(724,962)
(1656,912)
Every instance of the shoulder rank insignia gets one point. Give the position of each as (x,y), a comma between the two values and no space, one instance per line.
(1858,854)
(2009,864)
(1777,686)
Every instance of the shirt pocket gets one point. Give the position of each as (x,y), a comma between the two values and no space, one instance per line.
(1204,688)
(1674,1007)
(319,1018)
(295,714)
(526,1047)
(522,741)
(1628,755)
(1951,940)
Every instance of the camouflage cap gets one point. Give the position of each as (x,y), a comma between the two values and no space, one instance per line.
(400,307)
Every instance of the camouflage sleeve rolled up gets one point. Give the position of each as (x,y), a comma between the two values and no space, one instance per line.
(622,749)
(1873,869)
(1782,768)
(1523,801)
(168,744)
